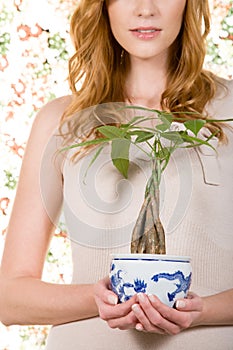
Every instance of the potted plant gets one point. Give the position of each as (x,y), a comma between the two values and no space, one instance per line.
(148,268)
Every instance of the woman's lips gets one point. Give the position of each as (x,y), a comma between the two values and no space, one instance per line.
(145,32)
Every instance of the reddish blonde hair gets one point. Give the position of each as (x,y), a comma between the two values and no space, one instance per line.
(97,62)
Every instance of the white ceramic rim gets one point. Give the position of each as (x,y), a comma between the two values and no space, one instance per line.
(163,257)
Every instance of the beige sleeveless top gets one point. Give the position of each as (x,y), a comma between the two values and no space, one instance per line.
(196,210)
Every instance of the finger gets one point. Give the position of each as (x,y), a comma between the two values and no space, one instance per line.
(127,322)
(103,292)
(158,320)
(171,314)
(192,303)
(109,312)
(143,321)
(139,327)
(105,282)
(182,319)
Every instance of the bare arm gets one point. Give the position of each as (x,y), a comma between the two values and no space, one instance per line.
(217,309)
(24,298)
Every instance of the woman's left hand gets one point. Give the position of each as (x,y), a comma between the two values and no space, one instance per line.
(155,317)
(116,315)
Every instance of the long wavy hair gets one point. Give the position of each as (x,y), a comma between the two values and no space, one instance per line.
(97,70)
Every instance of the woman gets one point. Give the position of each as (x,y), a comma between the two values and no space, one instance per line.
(147,53)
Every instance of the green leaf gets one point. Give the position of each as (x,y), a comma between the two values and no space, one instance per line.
(141,109)
(195,141)
(97,153)
(219,120)
(120,155)
(111,132)
(173,136)
(86,143)
(195,125)
(166,120)
(135,120)
(142,135)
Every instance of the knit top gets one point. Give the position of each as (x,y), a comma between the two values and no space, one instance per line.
(196,204)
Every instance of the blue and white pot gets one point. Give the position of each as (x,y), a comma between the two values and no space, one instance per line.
(168,277)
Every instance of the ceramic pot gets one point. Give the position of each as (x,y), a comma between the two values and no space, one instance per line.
(168,277)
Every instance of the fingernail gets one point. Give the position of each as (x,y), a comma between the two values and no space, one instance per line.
(112,299)
(135,307)
(139,327)
(141,296)
(151,298)
(180,304)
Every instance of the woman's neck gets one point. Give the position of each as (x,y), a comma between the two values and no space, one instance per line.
(146,83)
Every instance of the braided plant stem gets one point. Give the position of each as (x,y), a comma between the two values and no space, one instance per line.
(148,234)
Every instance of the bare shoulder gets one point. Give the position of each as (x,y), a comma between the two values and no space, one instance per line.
(229,85)
(44,139)
(224,89)
(221,107)
(48,118)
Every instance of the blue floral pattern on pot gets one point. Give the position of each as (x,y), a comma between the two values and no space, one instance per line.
(126,289)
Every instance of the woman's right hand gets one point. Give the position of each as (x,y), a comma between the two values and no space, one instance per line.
(116,315)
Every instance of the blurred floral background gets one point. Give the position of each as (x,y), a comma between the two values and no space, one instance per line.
(34,49)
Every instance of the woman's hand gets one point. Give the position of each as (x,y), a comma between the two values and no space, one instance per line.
(149,314)
(156,317)
(116,315)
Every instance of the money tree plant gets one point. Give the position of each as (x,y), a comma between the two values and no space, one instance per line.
(163,139)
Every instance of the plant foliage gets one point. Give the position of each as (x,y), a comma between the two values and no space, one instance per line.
(169,132)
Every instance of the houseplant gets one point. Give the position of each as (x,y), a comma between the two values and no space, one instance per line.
(169,132)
